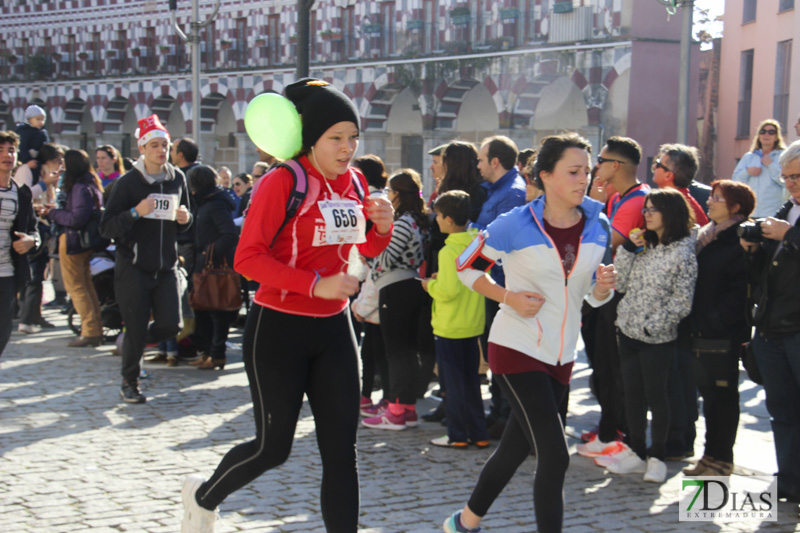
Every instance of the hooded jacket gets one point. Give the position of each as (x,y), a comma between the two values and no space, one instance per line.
(148,244)
(659,286)
(458,312)
(214,224)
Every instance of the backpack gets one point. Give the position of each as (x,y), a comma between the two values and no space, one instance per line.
(300,189)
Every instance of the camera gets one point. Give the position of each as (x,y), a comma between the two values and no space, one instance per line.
(750,230)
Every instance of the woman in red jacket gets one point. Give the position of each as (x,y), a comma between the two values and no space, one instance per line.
(298,336)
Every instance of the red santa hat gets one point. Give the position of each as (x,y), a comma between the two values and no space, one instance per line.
(150,128)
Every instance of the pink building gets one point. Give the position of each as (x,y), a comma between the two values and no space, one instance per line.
(759,75)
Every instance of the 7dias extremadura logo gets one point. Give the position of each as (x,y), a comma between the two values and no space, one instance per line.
(723,499)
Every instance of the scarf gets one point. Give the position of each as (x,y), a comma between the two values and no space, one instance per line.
(710,231)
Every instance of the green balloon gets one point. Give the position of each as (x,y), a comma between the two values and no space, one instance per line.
(273,124)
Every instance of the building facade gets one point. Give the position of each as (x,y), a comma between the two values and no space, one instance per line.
(421,72)
(759,75)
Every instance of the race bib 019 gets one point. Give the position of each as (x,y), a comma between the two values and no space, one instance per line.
(166,206)
(344,221)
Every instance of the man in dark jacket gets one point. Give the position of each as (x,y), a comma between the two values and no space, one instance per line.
(147,209)
(18,233)
(774,267)
(184,154)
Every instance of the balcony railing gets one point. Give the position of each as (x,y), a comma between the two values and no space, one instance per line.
(571,26)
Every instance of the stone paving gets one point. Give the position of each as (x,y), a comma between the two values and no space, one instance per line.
(74,458)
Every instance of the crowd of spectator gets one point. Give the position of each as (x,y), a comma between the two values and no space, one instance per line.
(513,257)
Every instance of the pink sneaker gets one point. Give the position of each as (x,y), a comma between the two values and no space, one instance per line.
(386,420)
(411,418)
(366,403)
(375,409)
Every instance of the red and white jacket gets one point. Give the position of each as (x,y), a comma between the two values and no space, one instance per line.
(288,271)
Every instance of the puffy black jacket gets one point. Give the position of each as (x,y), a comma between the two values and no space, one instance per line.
(776,294)
(720,297)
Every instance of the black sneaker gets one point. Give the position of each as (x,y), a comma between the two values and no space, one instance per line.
(130,393)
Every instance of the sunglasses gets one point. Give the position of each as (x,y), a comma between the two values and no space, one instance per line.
(658,164)
(649,211)
(765,131)
(601,160)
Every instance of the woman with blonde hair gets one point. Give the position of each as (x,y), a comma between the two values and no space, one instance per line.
(759,168)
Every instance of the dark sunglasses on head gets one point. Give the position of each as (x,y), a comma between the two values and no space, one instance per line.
(765,131)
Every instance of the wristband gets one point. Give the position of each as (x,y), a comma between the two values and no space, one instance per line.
(505,296)
(134,213)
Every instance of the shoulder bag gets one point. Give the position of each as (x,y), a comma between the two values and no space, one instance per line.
(215,288)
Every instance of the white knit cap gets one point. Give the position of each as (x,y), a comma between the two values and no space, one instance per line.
(34,111)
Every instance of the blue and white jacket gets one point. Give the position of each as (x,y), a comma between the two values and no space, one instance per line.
(532,263)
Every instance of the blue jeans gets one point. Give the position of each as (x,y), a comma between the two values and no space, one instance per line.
(778,360)
(458,361)
(169,346)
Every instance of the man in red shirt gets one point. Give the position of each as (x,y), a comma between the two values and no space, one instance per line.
(675,167)
(616,169)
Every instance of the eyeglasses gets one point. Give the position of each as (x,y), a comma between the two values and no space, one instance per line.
(717,199)
(658,164)
(387,190)
(601,160)
(649,211)
(790,177)
(765,131)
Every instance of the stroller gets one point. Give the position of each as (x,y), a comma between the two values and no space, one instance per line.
(102,268)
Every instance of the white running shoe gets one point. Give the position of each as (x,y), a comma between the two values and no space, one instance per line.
(621,452)
(195,518)
(29,328)
(656,471)
(630,464)
(595,447)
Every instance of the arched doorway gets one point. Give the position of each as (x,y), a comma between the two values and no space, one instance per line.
(77,126)
(219,144)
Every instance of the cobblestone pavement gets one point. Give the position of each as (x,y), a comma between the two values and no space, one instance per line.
(74,458)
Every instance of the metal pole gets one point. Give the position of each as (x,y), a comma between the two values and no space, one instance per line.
(194,41)
(685,71)
(303,36)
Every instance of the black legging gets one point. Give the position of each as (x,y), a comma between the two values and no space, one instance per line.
(401,306)
(534,425)
(373,359)
(286,356)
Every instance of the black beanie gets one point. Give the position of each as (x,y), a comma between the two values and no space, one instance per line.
(321,105)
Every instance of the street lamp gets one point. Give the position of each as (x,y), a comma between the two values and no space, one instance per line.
(194,40)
